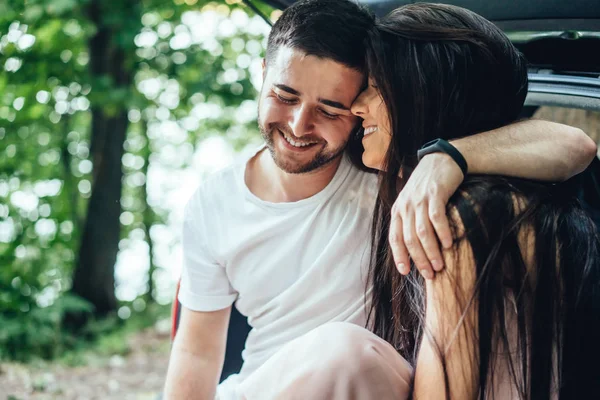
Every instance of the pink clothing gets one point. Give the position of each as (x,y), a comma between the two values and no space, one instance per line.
(336,361)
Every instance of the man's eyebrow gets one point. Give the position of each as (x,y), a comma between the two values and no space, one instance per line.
(334,104)
(287,89)
(330,103)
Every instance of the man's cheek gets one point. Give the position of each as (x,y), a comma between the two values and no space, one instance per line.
(271,110)
(345,124)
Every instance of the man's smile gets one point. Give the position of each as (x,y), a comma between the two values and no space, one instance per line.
(294,144)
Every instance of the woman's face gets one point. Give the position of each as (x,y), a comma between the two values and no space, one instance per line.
(370,107)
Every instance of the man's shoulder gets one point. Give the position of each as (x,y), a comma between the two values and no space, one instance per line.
(218,186)
(361,176)
(363,185)
(219,180)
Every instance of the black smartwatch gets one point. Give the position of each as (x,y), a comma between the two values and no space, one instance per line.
(442,146)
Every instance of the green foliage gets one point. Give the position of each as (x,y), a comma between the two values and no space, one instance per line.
(189,83)
(30,330)
(109,336)
(40,333)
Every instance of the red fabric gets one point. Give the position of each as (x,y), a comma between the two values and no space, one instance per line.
(175,313)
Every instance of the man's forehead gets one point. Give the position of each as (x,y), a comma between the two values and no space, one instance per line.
(296,68)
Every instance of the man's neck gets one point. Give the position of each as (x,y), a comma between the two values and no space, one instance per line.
(269,183)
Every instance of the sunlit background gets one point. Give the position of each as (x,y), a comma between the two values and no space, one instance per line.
(151,93)
(180,79)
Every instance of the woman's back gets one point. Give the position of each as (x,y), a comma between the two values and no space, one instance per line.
(536,287)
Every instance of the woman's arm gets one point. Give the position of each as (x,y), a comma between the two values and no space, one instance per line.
(449,347)
(531,149)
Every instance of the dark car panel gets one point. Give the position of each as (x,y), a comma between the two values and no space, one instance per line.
(495,10)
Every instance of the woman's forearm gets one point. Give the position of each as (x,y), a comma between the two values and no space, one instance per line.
(533,149)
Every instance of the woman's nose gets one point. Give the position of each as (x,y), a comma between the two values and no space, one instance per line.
(358,108)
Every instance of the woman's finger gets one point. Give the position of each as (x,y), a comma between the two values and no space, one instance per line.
(396,240)
(413,244)
(439,220)
(428,238)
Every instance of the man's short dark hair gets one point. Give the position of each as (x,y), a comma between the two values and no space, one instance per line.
(334,29)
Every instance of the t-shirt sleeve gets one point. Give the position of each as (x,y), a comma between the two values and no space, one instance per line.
(204,282)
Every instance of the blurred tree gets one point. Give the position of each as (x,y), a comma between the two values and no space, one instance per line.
(112,60)
(102,104)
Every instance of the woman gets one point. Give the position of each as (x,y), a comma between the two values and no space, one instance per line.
(516,312)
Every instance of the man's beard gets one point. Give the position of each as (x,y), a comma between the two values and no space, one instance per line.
(322,158)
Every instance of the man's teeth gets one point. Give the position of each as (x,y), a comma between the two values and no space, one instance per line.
(296,144)
(370,130)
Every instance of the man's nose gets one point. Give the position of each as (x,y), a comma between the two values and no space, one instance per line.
(302,122)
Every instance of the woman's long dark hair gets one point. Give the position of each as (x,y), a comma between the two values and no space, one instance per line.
(445,72)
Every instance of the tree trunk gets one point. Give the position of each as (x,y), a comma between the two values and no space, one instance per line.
(71,198)
(148,215)
(93,278)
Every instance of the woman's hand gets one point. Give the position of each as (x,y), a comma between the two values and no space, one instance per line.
(419,215)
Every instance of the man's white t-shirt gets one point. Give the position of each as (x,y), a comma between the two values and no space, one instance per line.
(290,267)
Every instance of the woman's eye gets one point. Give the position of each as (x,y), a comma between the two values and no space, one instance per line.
(284,99)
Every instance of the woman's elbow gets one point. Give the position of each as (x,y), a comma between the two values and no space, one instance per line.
(588,147)
(584,150)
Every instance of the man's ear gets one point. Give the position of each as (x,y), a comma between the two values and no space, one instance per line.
(264,68)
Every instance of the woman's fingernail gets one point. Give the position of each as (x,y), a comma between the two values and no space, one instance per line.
(402,268)
(437,265)
(427,274)
(447,243)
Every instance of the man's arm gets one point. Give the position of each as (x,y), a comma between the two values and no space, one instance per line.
(197,355)
(530,149)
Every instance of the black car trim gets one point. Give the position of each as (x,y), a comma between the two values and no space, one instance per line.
(568,34)
(550,24)
(571,86)
(564,89)
(564,79)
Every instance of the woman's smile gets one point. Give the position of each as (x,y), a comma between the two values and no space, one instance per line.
(370,129)
(376,139)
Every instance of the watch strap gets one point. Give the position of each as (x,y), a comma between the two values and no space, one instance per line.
(442,146)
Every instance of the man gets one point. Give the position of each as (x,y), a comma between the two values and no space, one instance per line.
(286,233)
